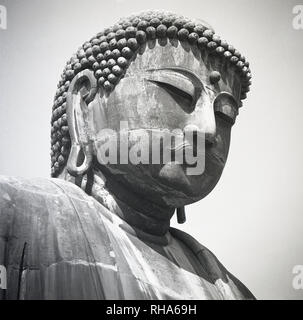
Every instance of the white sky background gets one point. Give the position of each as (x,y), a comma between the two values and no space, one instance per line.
(253,219)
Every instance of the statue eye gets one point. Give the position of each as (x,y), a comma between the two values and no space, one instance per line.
(183,98)
(178,86)
(226,107)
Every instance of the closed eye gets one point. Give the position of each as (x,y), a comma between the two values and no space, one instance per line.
(180,87)
(184,99)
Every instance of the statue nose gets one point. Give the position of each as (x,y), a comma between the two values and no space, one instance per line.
(209,141)
(205,127)
(203,120)
(210,138)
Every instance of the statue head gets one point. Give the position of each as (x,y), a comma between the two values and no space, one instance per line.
(150,75)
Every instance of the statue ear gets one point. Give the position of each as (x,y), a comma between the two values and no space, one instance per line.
(82,91)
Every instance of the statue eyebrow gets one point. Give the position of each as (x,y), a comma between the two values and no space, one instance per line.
(185,72)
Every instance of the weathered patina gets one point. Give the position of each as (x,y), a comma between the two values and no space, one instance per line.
(102,231)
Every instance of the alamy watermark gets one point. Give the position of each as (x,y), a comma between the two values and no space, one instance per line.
(3,278)
(297,22)
(3,18)
(148,146)
(297,282)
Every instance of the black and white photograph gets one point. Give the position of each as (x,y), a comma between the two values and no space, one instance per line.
(151,151)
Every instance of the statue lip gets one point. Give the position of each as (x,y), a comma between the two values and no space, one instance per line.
(186,147)
(182,146)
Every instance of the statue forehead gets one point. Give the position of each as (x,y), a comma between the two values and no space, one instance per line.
(171,54)
(159,55)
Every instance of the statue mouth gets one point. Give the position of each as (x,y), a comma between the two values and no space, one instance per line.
(183,146)
(186,151)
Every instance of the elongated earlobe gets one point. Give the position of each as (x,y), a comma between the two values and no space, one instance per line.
(181,217)
(81,92)
(79,159)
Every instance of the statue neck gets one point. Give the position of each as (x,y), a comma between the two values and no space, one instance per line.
(140,214)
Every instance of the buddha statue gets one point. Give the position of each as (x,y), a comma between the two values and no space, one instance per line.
(100,227)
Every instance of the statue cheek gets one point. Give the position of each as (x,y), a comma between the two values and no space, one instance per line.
(220,148)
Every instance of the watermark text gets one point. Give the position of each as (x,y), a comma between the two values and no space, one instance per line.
(3,18)
(142,146)
(297,282)
(297,22)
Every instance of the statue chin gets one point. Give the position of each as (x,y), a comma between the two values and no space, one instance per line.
(167,184)
(193,188)
(182,190)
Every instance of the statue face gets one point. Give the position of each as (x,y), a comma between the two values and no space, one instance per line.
(165,89)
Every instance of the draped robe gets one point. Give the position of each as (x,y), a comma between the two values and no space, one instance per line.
(57,242)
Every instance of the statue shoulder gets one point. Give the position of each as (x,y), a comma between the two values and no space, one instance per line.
(54,227)
(17,198)
(43,205)
(227,283)
(24,197)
